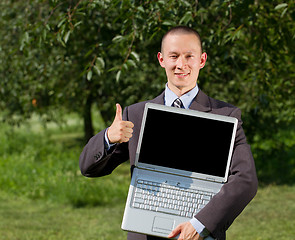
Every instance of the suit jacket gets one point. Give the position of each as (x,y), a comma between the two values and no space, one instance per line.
(224,207)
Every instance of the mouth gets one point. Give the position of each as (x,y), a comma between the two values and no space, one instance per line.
(181,75)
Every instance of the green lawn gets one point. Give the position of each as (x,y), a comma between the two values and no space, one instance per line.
(267,217)
(270,215)
(23,219)
(44,196)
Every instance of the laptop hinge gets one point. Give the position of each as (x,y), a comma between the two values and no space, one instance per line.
(212,180)
(157,170)
(148,168)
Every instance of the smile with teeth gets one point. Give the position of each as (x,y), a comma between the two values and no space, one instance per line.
(181,74)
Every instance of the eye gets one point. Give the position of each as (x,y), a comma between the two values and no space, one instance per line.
(173,56)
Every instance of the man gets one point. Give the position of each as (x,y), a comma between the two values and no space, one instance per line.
(182,58)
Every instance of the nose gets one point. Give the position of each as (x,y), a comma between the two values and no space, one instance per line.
(181,62)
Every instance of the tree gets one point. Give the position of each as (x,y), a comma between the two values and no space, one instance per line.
(74,54)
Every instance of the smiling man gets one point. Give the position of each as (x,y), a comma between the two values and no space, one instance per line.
(182,58)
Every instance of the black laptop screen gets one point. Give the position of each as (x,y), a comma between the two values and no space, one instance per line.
(186,142)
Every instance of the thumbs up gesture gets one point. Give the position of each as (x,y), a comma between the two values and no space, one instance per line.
(120,131)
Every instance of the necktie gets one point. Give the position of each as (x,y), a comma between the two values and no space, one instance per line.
(177,103)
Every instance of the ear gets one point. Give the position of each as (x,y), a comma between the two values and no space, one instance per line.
(203,60)
(161,59)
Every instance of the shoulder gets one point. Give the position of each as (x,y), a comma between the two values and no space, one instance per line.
(137,106)
(136,110)
(221,105)
(223,108)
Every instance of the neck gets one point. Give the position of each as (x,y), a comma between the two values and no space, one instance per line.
(179,91)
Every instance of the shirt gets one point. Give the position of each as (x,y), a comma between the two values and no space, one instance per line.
(187,100)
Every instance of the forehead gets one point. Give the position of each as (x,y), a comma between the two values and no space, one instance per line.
(181,42)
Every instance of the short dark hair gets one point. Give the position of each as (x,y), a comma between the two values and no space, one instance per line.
(184,30)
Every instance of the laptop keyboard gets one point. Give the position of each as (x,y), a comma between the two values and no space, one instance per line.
(161,197)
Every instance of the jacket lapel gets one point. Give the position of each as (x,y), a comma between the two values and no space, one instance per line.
(201,103)
(159,99)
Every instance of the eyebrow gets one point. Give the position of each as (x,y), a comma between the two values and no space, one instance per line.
(189,52)
(170,53)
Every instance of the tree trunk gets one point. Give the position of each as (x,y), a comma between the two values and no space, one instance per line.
(88,126)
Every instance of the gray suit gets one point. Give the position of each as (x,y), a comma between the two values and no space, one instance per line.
(221,211)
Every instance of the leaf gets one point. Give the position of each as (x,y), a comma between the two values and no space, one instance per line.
(100,62)
(168,23)
(47,27)
(66,37)
(77,24)
(89,75)
(135,56)
(113,69)
(282,5)
(58,37)
(130,62)
(118,38)
(89,52)
(97,70)
(284,12)
(61,22)
(141,9)
(44,34)
(118,75)
(26,37)
(186,18)
(125,66)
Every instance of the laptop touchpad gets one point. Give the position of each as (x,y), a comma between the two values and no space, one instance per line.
(163,225)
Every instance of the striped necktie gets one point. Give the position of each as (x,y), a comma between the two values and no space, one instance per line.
(177,103)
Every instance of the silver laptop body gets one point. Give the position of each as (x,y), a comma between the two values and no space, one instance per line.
(182,160)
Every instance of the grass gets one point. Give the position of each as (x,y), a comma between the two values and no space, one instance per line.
(44,164)
(270,215)
(24,219)
(44,196)
(267,217)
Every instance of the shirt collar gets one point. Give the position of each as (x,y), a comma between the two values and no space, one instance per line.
(186,98)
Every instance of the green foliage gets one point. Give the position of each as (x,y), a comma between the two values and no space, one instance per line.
(43,164)
(75,54)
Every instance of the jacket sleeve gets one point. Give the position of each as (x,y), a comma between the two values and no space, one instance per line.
(95,161)
(240,189)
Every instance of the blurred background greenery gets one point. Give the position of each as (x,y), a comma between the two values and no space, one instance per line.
(64,65)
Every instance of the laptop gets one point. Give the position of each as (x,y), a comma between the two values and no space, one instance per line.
(182,160)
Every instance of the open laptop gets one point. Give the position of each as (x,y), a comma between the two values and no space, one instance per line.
(182,161)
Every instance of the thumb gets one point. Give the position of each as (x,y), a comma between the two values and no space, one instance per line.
(175,232)
(118,116)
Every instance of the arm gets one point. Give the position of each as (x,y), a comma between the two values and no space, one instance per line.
(241,187)
(224,207)
(95,160)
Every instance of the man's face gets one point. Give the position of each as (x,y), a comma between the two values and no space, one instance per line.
(182,59)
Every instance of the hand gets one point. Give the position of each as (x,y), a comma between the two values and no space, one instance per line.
(186,231)
(120,131)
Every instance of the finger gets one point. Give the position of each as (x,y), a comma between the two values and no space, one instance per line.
(128,130)
(118,116)
(175,232)
(125,138)
(128,124)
